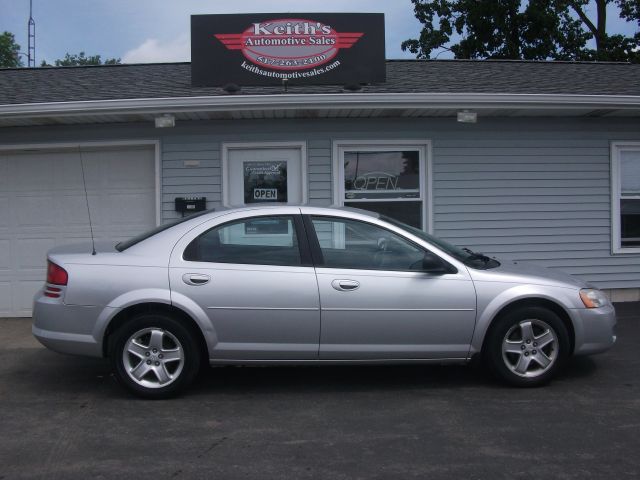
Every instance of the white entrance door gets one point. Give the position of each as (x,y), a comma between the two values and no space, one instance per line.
(261,175)
(42,205)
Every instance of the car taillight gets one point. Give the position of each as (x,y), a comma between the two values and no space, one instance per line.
(56,275)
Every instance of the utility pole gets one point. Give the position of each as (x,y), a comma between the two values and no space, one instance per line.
(31,52)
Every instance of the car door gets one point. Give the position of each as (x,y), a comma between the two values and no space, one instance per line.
(253,277)
(378,302)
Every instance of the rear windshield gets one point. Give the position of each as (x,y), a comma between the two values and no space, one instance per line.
(122,246)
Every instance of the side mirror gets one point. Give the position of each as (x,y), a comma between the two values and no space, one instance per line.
(431,263)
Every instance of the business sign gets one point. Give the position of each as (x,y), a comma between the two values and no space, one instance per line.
(265,194)
(265,49)
(265,182)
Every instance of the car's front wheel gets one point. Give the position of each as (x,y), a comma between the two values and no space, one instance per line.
(154,356)
(526,347)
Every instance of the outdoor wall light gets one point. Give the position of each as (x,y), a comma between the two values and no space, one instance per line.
(352,87)
(465,116)
(231,88)
(166,120)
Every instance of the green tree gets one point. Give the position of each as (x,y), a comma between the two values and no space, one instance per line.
(80,59)
(530,29)
(9,51)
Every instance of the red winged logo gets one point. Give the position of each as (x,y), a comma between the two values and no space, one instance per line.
(289,44)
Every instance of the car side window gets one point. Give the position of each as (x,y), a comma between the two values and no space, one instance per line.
(360,245)
(268,240)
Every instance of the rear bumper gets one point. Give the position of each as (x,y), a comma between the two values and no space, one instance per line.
(64,328)
(595,329)
(71,343)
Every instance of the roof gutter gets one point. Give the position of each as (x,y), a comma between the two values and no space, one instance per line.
(322,102)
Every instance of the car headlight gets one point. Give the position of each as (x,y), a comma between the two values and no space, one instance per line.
(593,298)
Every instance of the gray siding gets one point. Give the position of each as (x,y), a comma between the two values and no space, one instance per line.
(203,180)
(532,197)
(319,168)
(528,189)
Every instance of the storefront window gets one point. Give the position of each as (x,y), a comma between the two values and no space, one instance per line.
(385,180)
(379,175)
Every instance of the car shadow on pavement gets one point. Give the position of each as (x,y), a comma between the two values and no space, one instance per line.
(578,367)
(69,375)
(314,379)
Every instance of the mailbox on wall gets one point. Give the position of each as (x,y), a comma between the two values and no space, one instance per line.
(189,205)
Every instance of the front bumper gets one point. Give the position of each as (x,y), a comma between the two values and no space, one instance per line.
(595,329)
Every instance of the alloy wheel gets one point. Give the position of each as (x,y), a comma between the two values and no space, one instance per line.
(530,348)
(153,357)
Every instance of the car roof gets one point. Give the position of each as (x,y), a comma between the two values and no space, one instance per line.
(187,223)
(269,205)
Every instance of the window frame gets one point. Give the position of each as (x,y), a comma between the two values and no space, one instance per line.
(424,154)
(304,249)
(616,195)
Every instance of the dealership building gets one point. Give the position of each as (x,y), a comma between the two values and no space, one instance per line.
(530,161)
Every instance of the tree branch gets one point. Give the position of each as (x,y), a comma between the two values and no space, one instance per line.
(584,18)
(602,17)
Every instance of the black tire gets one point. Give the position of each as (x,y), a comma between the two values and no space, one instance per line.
(522,364)
(165,375)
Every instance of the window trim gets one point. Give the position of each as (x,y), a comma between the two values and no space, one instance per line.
(616,195)
(426,176)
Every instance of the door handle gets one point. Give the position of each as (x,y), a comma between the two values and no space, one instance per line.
(195,279)
(345,285)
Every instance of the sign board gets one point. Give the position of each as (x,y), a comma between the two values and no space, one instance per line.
(265,194)
(265,182)
(302,48)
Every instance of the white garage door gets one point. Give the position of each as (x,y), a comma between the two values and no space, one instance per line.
(42,205)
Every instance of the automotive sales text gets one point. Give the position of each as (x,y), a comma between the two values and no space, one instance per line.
(293,41)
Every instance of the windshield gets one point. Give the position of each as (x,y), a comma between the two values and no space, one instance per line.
(122,246)
(466,256)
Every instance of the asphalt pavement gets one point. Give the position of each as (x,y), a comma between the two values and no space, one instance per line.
(63,417)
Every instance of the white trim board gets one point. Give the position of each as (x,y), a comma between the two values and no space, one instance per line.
(321,101)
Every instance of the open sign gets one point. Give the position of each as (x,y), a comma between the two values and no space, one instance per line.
(265,193)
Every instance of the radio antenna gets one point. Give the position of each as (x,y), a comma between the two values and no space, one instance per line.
(31,34)
(86,197)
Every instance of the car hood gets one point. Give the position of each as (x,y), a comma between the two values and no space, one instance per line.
(524,272)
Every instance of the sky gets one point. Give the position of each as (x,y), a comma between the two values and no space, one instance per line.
(140,31)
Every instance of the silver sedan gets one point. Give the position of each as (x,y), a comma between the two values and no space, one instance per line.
(307,285)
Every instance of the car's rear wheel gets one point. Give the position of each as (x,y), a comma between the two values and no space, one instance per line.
(526,347)
(154,356)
